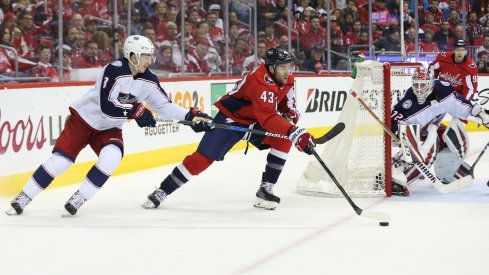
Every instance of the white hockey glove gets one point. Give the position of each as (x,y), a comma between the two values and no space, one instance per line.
(477,111)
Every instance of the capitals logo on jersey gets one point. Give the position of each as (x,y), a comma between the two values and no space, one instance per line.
(268,80)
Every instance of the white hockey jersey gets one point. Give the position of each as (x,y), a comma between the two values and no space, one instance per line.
(107,103)
(440,102)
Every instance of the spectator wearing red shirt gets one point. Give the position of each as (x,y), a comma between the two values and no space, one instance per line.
(270,40)
(89,57)
(315,36)
(159,18)
(316,62)
(164,60)
(304,23)
(410,42)
(196,60)
(215,32)
(444,37)
(282,28)
(249,62)
(10,21)
(430,24)
(353,37)
(90,27)
(89,8)
(427,45)
(104,46)
(25,41)
(474,29)
(240,52)
(43,68)
(66,62)
(433,9)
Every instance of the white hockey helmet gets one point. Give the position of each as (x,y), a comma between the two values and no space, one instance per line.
(138,45)
(422,84)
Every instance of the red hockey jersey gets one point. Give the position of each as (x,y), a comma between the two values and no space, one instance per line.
(462,76)
(257,98)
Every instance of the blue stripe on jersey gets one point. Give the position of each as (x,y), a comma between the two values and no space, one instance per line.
(233,104)
(97,177)
(42,177)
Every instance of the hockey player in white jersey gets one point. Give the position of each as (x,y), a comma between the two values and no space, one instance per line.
(418,116)
(97,118)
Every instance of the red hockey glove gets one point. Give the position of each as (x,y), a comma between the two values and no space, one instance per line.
(292,115)
(143,117)
(301,138)
(201,120)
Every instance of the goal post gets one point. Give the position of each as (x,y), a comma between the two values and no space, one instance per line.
(360,157)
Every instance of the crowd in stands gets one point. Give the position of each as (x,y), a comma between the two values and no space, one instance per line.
(30,27)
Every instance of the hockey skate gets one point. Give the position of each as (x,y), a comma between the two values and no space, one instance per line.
(18,204)
(154,199)
(74,203)
(265,198)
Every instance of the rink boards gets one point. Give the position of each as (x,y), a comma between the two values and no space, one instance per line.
(32,117)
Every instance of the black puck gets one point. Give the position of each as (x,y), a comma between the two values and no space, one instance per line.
(384,223)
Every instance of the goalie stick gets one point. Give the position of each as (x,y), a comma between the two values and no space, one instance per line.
(338,128)
(383,217)
(442,188)
(471,171)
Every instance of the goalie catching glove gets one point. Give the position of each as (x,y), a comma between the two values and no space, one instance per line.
(143,117)
(301,138)
(477,111)
(200,120)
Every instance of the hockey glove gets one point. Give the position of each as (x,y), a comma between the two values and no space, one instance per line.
(143,117)
(292,115)
(301,138)
(200,120)
(477,111)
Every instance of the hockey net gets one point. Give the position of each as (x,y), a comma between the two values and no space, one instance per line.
(360,157)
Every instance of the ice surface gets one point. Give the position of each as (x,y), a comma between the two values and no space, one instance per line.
(210,227)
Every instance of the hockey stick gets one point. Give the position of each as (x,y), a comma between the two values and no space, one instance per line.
(471,171)
(442,188)
(338,128)
(383,217)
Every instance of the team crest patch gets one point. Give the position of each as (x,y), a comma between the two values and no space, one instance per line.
(407,104)
(268,80)
(116,63)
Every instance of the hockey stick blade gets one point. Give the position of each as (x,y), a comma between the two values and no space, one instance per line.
(383,217)
(336,130)
(360,212)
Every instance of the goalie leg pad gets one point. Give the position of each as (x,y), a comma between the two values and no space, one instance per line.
(456,138)
(415,150)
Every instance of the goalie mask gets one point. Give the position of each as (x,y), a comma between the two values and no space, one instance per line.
(422,85)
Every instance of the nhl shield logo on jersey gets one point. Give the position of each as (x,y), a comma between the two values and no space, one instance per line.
(268,80)
(407,104)
(116,63)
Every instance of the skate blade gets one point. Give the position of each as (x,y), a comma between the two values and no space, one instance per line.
(268,205)
(148,205)
(66,214)
(11,211)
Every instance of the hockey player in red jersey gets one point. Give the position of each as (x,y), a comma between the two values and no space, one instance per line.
(458,69)
(263,99)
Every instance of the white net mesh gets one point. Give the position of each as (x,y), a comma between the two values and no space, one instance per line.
(357,156)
